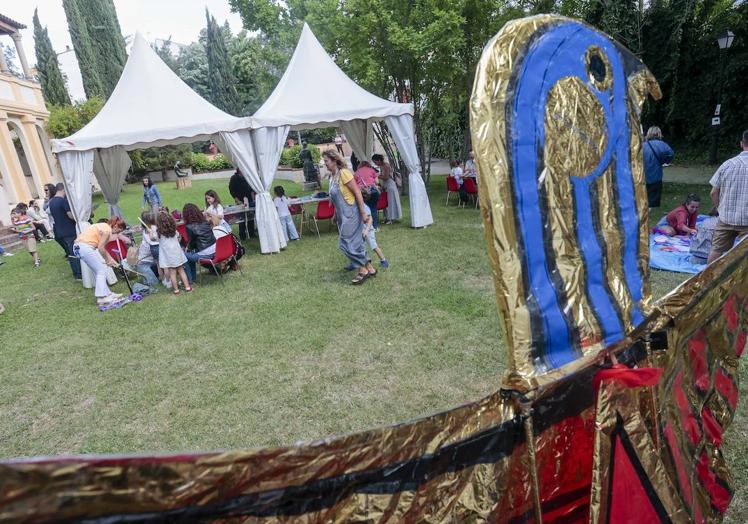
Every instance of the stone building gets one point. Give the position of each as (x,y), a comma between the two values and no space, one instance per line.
(26,161)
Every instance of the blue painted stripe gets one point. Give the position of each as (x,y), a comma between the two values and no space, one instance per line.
(557,54)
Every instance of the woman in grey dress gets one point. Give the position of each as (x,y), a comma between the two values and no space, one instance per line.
(394,209)
(351,215)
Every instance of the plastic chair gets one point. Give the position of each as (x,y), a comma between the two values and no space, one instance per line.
(182,228)
(118,251)
(383,201)
(298,209)
(471,188)
(225,249)
(325,211)
(452,187)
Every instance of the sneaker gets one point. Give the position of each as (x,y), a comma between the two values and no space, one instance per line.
(8,254)
(105,301)
(384,263)
(37,263)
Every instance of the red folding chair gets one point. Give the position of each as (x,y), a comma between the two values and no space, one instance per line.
(182,228)
(383,201)
(471,188)
(118,251)
(298,209)
(452,187)
(225,252)
(325,211)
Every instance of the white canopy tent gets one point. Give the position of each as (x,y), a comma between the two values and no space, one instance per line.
(151,107)
(315,92)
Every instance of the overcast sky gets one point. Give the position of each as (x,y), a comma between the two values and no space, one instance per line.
(180,19)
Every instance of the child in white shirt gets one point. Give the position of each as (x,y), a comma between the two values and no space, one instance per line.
(281,204)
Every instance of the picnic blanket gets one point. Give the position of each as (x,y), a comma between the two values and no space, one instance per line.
(672,253)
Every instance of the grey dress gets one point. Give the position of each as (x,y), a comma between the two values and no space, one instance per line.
(351,226)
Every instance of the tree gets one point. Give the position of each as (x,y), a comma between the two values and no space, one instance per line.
(10,59)
(64,120)
(84,51)
(220,73)
(53,85)
(107,42)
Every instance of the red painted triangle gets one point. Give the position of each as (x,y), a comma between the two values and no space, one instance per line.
(629,500)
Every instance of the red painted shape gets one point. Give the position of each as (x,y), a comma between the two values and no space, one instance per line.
(726,387)
(565,470)
(711,427)
(699,367)
(730,312)
(718,494)
(740,343)
(630,378)
(687,418)
(629,500)
(680,467)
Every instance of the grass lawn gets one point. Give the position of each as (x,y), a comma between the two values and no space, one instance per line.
(287,350)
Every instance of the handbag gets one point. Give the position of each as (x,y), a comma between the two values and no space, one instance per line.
(132,256)
(367,191)
(398,179)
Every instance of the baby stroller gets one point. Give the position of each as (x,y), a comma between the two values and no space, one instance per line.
(117,249)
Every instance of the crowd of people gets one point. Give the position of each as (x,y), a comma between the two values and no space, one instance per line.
(462,171)
(164,256)
(727,219)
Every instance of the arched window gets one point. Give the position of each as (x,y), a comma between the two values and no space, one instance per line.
(21,146)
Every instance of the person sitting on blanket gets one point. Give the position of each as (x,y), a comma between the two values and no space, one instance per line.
(701,244)
(682,219)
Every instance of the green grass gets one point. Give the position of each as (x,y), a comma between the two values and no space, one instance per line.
(287,350)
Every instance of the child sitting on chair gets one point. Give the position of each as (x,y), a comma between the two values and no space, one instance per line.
(682,219)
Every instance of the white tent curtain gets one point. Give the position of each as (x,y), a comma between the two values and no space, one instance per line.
(77,170)
(360,135)
(238,146)
(110,167)
(402,131)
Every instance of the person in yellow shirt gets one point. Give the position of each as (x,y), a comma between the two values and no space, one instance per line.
(90,246)
(351,215)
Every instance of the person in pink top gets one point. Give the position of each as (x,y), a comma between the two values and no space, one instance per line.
(366,179)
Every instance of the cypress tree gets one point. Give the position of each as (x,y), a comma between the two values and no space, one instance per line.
(106,41)
(220,72)
(53,86)
(84,51)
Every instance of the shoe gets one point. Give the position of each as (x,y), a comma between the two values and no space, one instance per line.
(115,296)
(37,263)
(384,263)
(109,299)
(78,279)
(8,254)
(350,267)
(359,279)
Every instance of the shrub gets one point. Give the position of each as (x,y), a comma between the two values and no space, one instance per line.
(290,156)
(201,163)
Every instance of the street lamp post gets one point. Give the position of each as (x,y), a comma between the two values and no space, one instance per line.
(724,41)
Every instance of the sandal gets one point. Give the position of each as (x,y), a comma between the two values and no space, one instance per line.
(176,292)
(188,289)
(373,273)
(359,278)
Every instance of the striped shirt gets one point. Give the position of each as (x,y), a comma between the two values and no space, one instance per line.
(732,180)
